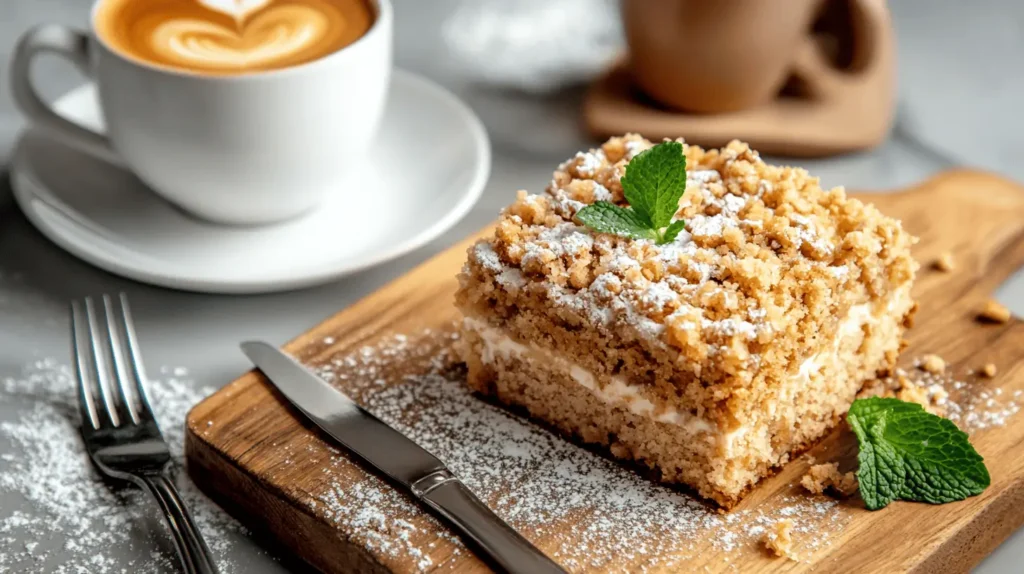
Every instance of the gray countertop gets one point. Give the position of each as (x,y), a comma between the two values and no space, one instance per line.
(961,86)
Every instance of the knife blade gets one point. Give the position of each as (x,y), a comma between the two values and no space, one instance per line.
(401,459)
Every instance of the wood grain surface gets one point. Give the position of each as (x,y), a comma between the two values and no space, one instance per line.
(241,442)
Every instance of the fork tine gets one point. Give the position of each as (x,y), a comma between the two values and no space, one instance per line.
(138,369)
(79,343)
(99,359)
(117,353)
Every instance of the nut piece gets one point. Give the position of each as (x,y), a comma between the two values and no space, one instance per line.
(994,312)
(779,539)
(822,477)
(989,370)
(934,364)
(944,262)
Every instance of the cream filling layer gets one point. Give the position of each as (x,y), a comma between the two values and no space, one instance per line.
(620,393)
(617,391)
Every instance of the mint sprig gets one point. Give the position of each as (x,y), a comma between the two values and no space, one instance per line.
(907,453)
(653,184)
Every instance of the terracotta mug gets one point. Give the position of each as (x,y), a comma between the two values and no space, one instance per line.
(714,56)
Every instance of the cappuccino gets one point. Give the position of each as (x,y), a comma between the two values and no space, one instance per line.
(226,37)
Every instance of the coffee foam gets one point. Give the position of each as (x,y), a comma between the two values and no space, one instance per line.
(232,36)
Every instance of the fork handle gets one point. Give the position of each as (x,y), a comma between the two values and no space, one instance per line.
(192,550)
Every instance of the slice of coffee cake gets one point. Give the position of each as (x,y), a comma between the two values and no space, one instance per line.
(713,358)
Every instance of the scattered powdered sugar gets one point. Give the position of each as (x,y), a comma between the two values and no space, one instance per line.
(699,177)
(840,272)
(73,520)
(587,512)
(370,513)
(601,192)
(731,326)
(658,295)
(973,406)
(729,205)
(642,295)
(487,257)
(732,204)
(634,147)
(511,278)
(588,162)
(709,225)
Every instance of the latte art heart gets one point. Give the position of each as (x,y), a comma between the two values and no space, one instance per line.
(237,9)
(231,36)
(275,34)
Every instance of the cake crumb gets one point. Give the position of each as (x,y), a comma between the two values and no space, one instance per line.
(914,394)
(989,370)
(826,476)
(993,312)
(934,364)
(779,539)
(944,262)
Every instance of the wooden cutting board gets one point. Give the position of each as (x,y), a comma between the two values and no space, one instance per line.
(251,453)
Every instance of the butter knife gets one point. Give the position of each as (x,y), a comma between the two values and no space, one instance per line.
(408,464)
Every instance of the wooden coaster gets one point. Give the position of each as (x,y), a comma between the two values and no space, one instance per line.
(855,116)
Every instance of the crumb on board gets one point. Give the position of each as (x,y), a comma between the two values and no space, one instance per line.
(971,404)
(989,370)
(933,364)
(932,396)
(993,312)
(779,539)
(914,394)
(944,262)
(826,476)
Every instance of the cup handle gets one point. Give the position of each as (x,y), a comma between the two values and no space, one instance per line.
(820,78)
(73,45)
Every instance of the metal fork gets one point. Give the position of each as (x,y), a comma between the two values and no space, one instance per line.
(118,426)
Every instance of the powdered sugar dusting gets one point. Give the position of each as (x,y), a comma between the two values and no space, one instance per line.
(586,511)
(588,162)
(731,326)
(710,226)
(75,521)
(972,406)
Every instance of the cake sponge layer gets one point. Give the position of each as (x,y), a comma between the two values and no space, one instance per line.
(719,462)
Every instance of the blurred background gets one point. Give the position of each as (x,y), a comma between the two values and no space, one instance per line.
(524,66)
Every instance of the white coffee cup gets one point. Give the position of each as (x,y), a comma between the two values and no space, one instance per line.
(240,149)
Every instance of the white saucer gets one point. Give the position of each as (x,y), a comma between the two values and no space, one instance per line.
(427,168)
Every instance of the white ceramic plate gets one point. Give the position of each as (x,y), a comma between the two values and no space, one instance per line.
(427,168)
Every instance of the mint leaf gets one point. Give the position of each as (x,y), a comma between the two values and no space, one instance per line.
(654,181)
(868,411)
(881,472)
(942,466)
(607,217)
(653,184)
(907,453)
(672,231)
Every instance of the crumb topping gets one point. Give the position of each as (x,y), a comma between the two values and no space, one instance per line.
(822,477)
(933,364)
(994,312)
(779,539)
(767,256)
(944,262)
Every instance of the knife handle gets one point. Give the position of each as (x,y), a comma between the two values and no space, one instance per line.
(507,550)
